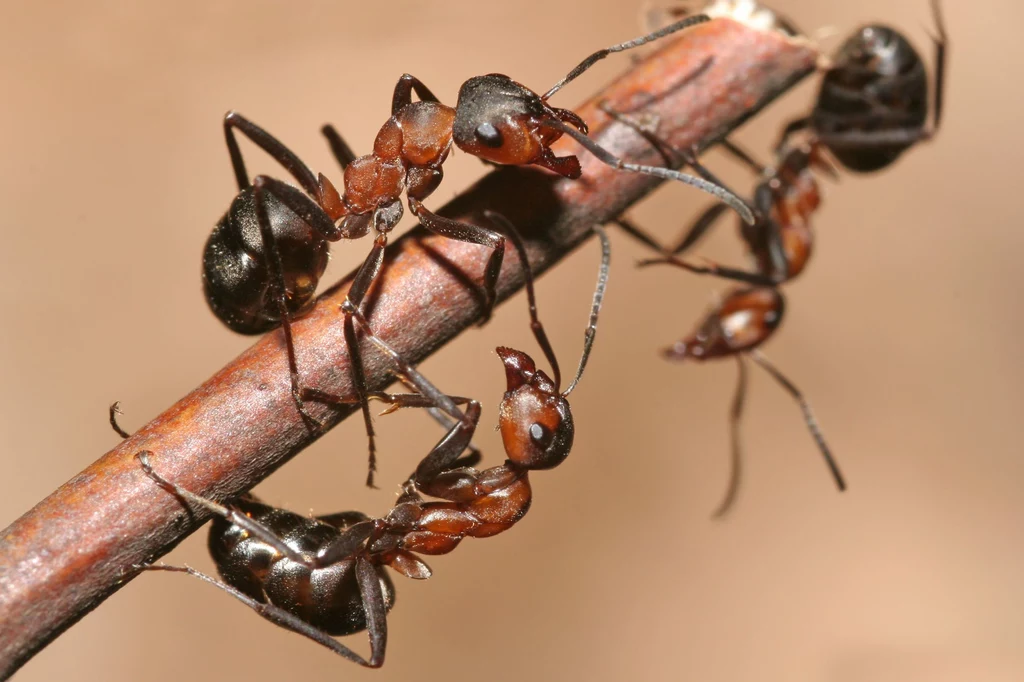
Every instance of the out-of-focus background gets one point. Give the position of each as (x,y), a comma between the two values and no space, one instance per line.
(903,333)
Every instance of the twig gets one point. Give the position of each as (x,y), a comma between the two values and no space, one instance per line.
(76,547)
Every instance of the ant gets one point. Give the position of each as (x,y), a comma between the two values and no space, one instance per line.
(737,326)
(265,257)
(780,241)
(872,107)
(324,577)
(873,102)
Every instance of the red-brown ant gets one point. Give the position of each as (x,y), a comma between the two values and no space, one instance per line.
(873,102)
(780,241)
(253,287)
(323,577)
(736,327)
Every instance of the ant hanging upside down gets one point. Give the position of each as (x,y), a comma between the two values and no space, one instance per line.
(779,241)
(265,257)
(324,577)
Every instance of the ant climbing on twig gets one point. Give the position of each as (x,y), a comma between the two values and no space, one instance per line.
(737,327)
(324,577)
(265,257)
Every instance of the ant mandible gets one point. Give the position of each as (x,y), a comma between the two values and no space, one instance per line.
(324,577)
(737,327)
(873,102)
(253,287)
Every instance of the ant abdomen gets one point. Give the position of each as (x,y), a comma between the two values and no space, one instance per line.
(535,421)
(238,285)
(328,597)
(878,82)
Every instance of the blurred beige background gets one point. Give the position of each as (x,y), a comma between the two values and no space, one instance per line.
(903,333)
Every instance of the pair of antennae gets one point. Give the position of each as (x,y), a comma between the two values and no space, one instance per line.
(536,325)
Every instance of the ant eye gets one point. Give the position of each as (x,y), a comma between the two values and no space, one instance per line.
(540,435)
(489,135)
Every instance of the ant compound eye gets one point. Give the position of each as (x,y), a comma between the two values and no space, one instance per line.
(489,135)
(540,435)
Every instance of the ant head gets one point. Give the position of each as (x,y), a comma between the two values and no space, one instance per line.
(876,50)
(500,120)
(534,419)
(745,319)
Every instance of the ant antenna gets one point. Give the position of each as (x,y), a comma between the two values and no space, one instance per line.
(809,419)
(622,47)
(720,193)
(505,225)
(602,284)
(736,453)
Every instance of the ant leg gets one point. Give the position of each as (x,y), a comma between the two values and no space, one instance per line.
(457,439)
(403,92)
(472,234)
(375,608)
(809,419)
(353,300)
(262,185)
(531,297)
(793,127)
(743,156)
(342,152)
(234,516)
(115,409)
(622,47)
(736,446)
(639,234)
(764,229)
(941,45)
(271,145)
(605,156)
(699,228)
(327,196)
(714,269)
(285,619)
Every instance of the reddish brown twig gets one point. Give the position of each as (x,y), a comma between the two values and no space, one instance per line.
(77,546)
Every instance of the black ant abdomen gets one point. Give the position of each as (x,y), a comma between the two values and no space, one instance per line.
(327,597)
(886,74)
(873,104)
(239,288)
